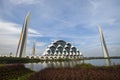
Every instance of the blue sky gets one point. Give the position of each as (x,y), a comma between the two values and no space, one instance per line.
(74,21)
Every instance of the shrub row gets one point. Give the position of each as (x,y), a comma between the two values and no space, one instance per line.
(8,60)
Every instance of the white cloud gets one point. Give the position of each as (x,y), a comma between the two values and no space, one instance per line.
(9,28)
(13,28)
(9,36)
(33,31)
(41,44)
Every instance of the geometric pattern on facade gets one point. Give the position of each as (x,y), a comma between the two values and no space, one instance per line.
(21,49)
(104,47)
(61,48)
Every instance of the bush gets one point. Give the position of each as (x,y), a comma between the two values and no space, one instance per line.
(9,72)
(84,65)
(8,60)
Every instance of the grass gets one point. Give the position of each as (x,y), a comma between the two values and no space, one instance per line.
(1,65)
(23,77)
(84,65)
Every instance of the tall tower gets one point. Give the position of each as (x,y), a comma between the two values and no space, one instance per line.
(33,49)
(104,47)
(21,50)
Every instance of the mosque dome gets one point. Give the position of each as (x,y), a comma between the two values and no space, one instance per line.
(60,48)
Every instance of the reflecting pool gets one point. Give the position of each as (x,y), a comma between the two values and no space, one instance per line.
(97,62)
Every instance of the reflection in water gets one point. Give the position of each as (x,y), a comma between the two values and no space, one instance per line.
(39,66)
(62,64)
(97,62)
(31,66)
(108,62)
(36,66)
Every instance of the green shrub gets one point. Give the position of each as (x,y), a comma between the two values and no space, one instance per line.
(84,65)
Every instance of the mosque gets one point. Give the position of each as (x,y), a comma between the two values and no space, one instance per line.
(62,49)
(56,49)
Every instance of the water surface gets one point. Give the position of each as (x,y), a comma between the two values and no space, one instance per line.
(97,62)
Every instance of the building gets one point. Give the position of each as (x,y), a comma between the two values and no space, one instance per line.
(61,49)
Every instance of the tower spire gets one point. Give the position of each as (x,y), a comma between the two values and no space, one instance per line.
(33,49)
(21,50)
(104,47)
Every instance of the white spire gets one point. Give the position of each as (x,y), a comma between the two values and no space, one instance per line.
(33,49)
(21,50)
(104,48)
